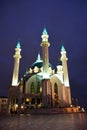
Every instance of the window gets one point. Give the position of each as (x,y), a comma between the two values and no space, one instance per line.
(56,94)
(38,87)
(33,101)
(55,88)
(32,88)
(3,100)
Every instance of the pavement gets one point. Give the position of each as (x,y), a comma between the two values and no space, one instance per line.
(44,122)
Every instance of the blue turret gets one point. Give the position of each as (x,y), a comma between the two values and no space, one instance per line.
(44,31)
(18,45)
(63,48)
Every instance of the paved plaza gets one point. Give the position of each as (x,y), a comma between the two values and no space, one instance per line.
(44,122)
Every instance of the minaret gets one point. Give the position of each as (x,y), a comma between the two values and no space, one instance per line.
(66,77)
(46,88)
(17,57)
(65,69)
(45,54)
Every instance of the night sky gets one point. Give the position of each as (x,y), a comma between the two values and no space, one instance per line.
(64,20)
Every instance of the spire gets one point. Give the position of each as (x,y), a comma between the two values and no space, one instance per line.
(38,57)
(45,37)
(44,31)
(63,48)
(18,45)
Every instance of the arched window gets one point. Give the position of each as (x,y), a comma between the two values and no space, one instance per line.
(55,88)
(38,87)
(32,88)
(56,95)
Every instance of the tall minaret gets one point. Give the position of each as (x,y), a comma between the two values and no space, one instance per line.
(65,69)
(45,54)
(17,57)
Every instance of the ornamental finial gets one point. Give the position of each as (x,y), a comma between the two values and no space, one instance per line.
(18,45)
(44,31)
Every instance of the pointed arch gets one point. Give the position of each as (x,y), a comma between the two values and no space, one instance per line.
(32,89)
(55,88)
(38,87)
(56,99)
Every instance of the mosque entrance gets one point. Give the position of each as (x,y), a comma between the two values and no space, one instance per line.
(34,102)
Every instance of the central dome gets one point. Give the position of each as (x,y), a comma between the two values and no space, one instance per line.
(39,63)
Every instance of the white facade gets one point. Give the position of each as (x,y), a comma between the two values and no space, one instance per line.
(17,57)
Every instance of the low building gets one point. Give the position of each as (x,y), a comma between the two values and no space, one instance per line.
(3,104)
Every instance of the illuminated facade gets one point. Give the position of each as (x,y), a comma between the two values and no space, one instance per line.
(41,86)
(17,57)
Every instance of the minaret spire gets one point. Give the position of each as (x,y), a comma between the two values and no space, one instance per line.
(45,53)
(44,31)
(38,57)
(65,74)
(17,57)
(18,45)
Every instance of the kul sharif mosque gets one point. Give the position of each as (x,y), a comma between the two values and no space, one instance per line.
(41,86)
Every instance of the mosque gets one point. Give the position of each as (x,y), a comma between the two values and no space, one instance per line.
(41,86)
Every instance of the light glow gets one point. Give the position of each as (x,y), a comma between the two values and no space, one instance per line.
(28,99)
(22,107)
(16,105)
(66,84)
(14,82)
(46,75)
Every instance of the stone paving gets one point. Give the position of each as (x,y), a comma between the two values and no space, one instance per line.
(44,122)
